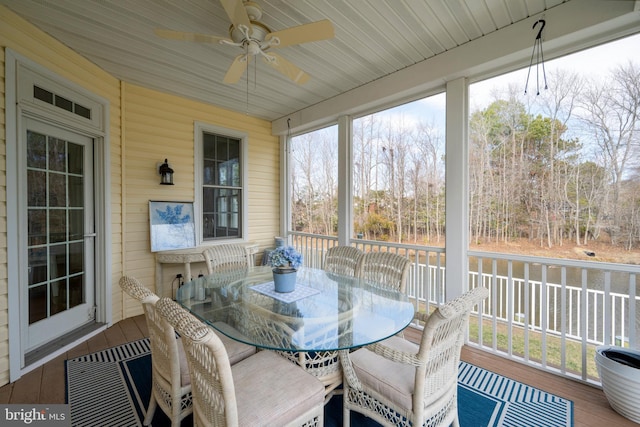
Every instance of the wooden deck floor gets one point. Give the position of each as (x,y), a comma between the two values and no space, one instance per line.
(46,384)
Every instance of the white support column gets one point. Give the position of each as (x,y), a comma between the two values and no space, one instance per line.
(345,180)
(285,185)
(457,188)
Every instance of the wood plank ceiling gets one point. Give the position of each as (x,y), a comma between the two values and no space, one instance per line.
(373,38)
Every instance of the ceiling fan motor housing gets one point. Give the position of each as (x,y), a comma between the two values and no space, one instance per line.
(255,38)
(257,33)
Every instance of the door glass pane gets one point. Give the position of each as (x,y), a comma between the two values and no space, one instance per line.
(58,297)
(76,159)
(37,223)
(57,261)
(37,265)
(76,191)
(37,151)
(56,225)
(36,188)
(76,258)
(37,303)
(76,290)
(57,155)
(57,190)
(76,224)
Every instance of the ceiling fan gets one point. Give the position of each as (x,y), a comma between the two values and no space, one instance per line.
(256,39)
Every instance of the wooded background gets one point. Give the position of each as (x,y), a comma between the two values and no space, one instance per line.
(561,166)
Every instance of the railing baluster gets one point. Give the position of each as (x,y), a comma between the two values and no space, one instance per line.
(584,302)
(563,320)
(527,311)
(565,312)
(509,297)
(608,338)
(632,311)
(544,307)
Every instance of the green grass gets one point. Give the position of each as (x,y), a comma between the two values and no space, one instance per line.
(552,348)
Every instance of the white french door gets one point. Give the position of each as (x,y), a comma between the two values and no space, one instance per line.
(56,246)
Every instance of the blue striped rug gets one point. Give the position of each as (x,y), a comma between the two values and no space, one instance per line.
(111,388)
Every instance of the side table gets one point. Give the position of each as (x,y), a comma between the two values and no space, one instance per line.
(186,257)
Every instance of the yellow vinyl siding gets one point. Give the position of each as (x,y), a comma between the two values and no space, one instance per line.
(160,126)
(25,39)
(144,128)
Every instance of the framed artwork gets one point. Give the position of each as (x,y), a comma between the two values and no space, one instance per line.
(172,225)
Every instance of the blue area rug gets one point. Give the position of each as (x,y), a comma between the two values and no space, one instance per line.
(111,388)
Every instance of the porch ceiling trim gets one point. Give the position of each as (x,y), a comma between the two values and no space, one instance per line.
(571,26)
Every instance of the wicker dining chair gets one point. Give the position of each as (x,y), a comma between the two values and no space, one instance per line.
(385,269)
(343,260)
(280,331)
(171,383)
(399,383)
(171,388)
(227,258)
(135,289)
(263,389)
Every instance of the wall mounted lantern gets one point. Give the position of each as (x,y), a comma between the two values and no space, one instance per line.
(166,174)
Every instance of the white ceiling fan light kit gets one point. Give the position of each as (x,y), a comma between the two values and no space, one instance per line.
(255,38)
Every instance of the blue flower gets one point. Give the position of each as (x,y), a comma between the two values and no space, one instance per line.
(286,256)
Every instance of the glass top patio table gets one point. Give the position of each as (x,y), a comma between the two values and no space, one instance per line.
(325,312)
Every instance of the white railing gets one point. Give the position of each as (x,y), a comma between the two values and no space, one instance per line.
(556,319)
(547,312)
(426,276)
(594,303)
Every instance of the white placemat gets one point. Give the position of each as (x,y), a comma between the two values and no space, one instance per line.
(298,293)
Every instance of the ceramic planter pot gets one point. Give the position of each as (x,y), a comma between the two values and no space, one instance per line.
(284,279)
(619,370)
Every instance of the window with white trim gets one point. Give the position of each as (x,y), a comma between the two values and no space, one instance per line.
(220,167)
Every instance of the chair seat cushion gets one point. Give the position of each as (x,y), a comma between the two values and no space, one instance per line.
(236,350)
(185,379)
(391,380)
(273,391)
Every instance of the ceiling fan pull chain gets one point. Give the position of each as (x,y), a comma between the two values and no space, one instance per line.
(248,65)
(255,75)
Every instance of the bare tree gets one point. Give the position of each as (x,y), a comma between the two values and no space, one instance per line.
(366,139)
(428,180)
(610,114)
(314,181)
(328,179)
(559,103)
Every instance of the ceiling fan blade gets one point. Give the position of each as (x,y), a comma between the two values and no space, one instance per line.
(236,12)
(237,68)
(189,37)
(287,68)
(315,31)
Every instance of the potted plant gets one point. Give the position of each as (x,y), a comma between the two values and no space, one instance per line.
(285,261)
(619,370)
